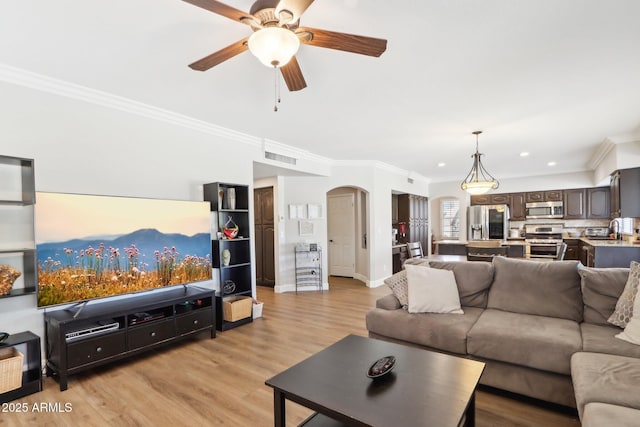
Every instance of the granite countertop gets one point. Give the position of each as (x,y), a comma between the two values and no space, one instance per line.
(612,243)
(464,242)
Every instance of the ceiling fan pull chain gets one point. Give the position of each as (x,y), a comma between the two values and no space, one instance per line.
(276,89)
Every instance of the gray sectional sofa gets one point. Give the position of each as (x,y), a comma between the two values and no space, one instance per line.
(540,327)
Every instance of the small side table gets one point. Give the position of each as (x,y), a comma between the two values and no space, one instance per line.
(27,343)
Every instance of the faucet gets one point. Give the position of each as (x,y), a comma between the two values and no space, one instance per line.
(616,228)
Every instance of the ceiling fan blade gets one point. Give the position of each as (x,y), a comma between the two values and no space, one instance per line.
(220,56)
(223,9)
(295,7)
(292,75)
(341,41)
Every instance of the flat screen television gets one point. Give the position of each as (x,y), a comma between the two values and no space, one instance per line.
(91,246)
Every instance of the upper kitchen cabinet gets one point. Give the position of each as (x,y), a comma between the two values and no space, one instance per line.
(517,207)
(574,203)
(591,203)
(625,193)
(598,203)
(544,196)
(413,210)
(490,199)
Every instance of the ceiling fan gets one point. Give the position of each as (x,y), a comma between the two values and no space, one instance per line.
(277,36)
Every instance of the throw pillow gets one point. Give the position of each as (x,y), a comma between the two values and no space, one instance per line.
(624,307)
(398,285)
(431,290)
(631,332)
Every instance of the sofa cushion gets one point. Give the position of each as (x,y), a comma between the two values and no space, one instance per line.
(432,290)
(596,414)
(538,342)
(601,288)
(398,285)
(601,339)
(446,332)
(541,288)
(605,378)
(631,332)
(624,307)
(473,280)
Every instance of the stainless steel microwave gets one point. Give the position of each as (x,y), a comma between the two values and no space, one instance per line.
(544,210)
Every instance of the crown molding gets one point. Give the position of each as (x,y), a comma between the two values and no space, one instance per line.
(21,77)
(601,152)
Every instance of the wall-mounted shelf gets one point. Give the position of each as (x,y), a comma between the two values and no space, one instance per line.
(17,241)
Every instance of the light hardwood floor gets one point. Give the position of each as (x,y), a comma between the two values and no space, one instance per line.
(221,381)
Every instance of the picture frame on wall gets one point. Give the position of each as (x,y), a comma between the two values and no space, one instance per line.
(314,210)
(306,228)
(296,212)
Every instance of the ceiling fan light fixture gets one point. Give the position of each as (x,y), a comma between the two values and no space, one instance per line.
(274,46)
(478,181)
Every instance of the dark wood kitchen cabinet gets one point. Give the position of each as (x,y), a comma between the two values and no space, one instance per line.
(544,196)
(517,207)
(490,199)
(573,249)
(414,211)
(625,193)
(574,203)
(597,203)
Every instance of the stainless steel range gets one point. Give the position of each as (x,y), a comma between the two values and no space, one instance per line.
(543,240)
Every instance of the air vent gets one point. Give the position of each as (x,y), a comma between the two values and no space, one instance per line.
(279,158)
(410,180)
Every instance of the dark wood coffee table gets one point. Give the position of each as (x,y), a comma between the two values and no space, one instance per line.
(425,388)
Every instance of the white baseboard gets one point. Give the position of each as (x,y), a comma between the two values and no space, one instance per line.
(278,289)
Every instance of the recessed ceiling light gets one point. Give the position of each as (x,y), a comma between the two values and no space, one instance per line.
(441,164)
(524,154)
(551,164)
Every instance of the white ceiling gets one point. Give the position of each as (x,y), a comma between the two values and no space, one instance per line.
(554,78)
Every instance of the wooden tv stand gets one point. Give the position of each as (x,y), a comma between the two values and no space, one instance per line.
(132,325)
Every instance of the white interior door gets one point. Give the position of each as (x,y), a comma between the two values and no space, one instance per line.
(341,235)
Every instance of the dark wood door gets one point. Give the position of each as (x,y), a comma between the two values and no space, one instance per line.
(265,236)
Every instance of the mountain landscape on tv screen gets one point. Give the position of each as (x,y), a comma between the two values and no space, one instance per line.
(147,241)
(81,269)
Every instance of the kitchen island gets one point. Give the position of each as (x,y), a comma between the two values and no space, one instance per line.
(517,247)
(607,253)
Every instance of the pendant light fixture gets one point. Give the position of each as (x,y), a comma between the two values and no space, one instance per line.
(478,181)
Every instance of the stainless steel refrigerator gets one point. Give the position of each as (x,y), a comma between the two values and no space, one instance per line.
(488,222)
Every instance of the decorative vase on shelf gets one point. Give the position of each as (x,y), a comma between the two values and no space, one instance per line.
(230,229)
(231,198)
(226,257)
(220,198)
(8,275)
